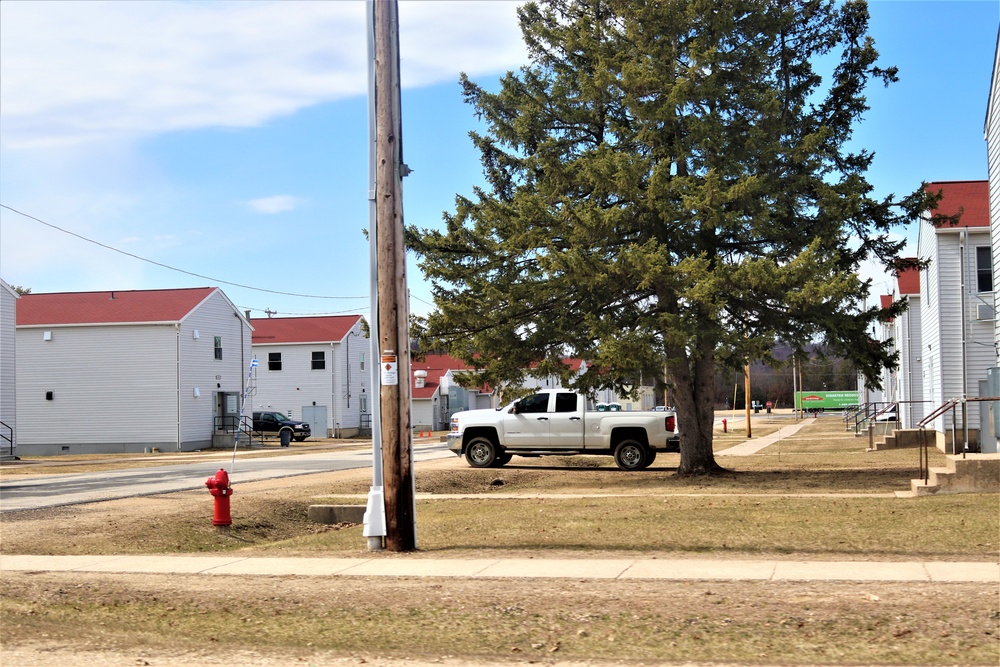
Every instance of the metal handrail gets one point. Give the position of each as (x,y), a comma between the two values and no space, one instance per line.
(8,438)
(939,411)
(868,412)
(237,426)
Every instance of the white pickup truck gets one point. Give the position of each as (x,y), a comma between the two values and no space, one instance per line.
(561,421)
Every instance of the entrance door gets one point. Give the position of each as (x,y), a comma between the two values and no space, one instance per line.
(228,411)
(315,416)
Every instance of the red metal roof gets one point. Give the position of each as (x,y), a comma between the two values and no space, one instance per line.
(886,300)
(436,366)
(439,362)
(427,391)
(113,307)
(908,281)
(324,329)
(971,196)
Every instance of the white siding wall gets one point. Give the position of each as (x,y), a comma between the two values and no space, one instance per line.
(948,350)
(993,156)
(341,389)
(216,316)
(910,385)
(8,368)
(424,412)
(930,320)
(349,355)
(947,356)
(114,388)
(979,352)
(296,384)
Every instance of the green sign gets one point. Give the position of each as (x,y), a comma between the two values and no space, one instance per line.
(827,400)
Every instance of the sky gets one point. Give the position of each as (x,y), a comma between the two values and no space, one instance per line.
(166,144)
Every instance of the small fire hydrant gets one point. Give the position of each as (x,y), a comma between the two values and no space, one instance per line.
(219,487)
(724,426)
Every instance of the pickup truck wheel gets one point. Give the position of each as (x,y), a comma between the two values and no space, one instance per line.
(650,457)
(630,455)
(481,453)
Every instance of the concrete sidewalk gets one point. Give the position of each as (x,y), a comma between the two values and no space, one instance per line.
(753,446)
(485,568)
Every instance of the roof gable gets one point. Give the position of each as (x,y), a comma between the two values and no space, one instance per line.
(7,288)
(429,389)
(324,329)
(973,197)
(908,281)
(111,307)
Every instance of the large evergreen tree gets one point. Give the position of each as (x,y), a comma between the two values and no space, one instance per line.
(669,187)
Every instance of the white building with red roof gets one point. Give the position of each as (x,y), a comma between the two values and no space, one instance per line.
(316,370)
(436,395)
(905,385)
(957,306)
(127,371)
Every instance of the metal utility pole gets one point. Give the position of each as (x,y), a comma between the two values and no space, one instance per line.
(390,312)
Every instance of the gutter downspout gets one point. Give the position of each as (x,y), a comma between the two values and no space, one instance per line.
(177,360)
(908,341)
(333,391)
(963,249)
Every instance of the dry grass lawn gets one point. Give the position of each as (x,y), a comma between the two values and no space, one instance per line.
(817,495)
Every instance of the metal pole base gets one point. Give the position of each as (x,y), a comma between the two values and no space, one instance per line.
(375,543)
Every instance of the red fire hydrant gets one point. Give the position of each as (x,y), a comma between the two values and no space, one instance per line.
(723,425)
(219,487)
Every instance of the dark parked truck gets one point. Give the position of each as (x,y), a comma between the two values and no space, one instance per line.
(560,421)
(276,422)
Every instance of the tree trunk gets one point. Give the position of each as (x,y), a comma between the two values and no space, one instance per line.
(692,376)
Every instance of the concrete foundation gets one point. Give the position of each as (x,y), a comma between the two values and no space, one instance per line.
(331,514)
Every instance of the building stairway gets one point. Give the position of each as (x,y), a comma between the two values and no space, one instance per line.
(972,473)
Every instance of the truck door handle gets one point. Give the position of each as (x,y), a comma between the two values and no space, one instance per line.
(543,419)
(574,419)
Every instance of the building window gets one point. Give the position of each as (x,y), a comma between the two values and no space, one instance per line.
(319,360)
(218,347)
(984,269)
(274,361)
(362,360)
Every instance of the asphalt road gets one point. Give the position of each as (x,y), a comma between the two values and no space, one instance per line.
(26,493)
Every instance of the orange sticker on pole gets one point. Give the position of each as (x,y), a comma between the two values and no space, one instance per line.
(390,370)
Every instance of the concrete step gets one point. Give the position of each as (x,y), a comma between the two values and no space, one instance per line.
(973,473)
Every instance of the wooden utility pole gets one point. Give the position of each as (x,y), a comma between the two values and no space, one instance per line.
(393,312)
(747,401)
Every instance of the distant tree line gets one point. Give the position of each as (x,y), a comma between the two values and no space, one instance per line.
(819,372)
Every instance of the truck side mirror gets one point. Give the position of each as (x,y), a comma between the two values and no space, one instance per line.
(513,408)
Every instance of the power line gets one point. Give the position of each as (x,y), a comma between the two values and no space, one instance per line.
(293,314)
(172,268)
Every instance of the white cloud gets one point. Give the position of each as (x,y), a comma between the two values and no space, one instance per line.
(275,204)
(79,71)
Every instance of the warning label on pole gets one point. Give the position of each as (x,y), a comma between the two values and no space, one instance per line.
(390,370)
